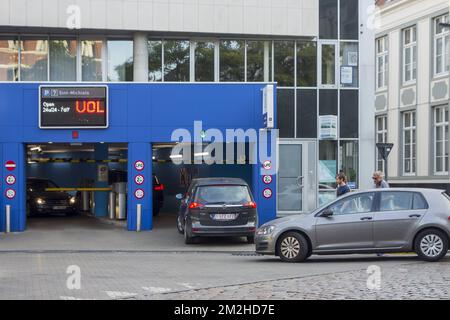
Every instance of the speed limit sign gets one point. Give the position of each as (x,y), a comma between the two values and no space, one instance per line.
(139,165)
(10,194)
(139,194)
(267,193)
(267,179)
(10,180)
(139,179)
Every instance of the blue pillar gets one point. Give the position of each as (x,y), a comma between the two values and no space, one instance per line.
(140,152)
(16,153)
(100,197)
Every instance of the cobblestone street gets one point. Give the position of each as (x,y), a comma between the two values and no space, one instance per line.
(191,276)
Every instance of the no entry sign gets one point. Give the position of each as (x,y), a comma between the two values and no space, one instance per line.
(10,165)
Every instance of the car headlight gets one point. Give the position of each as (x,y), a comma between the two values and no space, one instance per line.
(40,201)
(265,231)
(72,200)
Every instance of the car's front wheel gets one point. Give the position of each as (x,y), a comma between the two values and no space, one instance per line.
(431,245)
(292,247)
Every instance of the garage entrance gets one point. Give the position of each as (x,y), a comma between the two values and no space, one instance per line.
(66,180)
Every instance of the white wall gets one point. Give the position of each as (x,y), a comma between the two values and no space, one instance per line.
(259,17)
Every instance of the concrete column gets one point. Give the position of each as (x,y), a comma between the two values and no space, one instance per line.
(140,57)
(366,98)
(100,197)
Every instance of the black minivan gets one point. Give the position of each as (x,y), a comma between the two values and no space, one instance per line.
(217,207)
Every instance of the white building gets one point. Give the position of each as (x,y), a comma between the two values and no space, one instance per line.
(412,91)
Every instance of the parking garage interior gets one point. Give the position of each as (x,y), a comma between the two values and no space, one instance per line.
(88,173)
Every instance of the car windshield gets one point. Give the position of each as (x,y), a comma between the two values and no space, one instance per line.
(446,196)
(233,194)
(40,185)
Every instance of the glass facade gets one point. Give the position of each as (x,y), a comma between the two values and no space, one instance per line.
(63,60)
(34,60)
(255,60)
(176,60)
(204,61)
(232,61)
(155,60)
(120,60)
(91,60)
(284,63)
(9,59)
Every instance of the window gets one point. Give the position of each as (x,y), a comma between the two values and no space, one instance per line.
(327,170)
(382,63)
(306,113)
(176,61)
(9,59)
(349,114)
(328,19)
(409,143)
(396,201)
(91,60)
(349,61)
(286,112)
(328,65)
(284,63)
(349,12)
(255,60)
(63,60)
(441,140)
(204,61)
(401,201)
(120,60)
(306,64)
(34,60)
(409,55)
(381,137)
(155,60)
(348,159)
(232,61)
(441,46)
(361,203)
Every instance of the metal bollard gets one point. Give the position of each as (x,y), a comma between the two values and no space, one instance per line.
(112,205)
(8,218)
(138,218)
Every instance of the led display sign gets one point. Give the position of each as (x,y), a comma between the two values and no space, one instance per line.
(73,107)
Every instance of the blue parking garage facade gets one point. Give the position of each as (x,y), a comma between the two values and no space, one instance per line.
(140,114)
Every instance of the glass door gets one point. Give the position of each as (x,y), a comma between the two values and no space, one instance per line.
(291,178)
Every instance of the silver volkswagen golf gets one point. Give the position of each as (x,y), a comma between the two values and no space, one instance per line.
(374,221)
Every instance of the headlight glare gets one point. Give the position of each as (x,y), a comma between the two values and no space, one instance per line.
(40,201)
(73,200)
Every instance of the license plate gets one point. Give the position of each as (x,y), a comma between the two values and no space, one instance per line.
(59,208)
(224,216)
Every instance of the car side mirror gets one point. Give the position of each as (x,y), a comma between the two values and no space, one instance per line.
(179,196)
(326,213)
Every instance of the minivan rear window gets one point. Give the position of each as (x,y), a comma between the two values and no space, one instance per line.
(218,194)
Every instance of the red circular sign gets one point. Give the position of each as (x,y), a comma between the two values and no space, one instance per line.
(267,193)
(10,165)
(139,193)
(139,179)
(10,194)
(10,180)
(267,179)
(139,165)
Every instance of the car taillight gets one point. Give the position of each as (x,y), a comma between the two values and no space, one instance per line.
(159,187)
(195,205)
(250,204)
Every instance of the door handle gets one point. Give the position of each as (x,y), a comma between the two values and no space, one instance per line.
(415,216)
(366,219)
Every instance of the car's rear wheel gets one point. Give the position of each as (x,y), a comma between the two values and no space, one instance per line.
(188,239)
(431,245)
(292,247)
